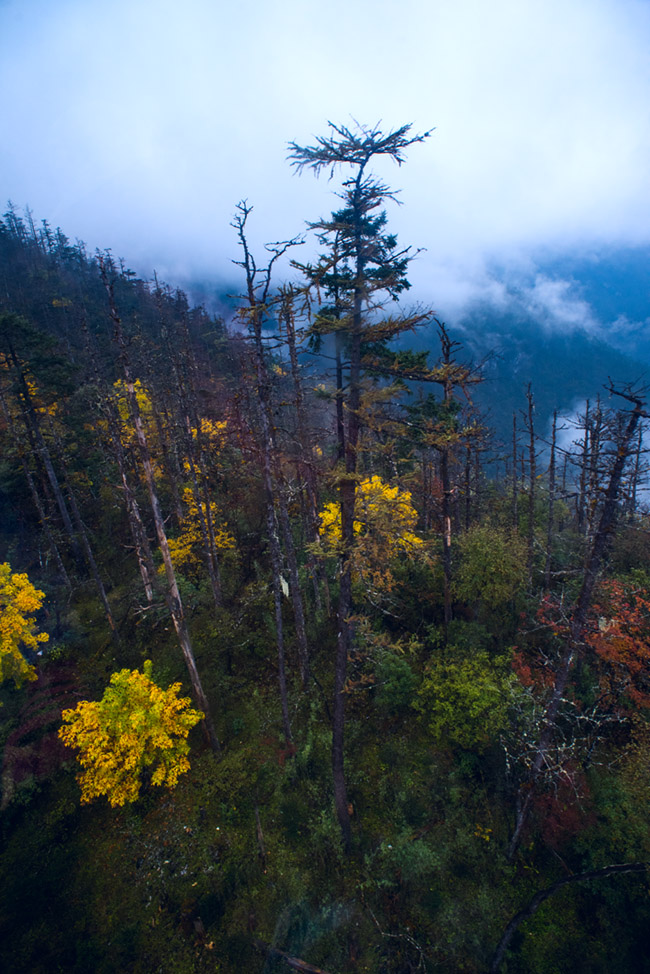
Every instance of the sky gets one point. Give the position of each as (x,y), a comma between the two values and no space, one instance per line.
(138,125)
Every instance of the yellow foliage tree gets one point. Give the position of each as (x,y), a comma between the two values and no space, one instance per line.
(136,728)
(214,432)
(145,406)
(384,524)
(18,600)
(186,549)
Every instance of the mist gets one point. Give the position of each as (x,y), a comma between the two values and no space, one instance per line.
(138,127)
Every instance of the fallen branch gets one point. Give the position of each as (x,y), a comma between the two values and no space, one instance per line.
(539,898)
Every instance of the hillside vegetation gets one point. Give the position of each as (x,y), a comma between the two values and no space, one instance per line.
(348,684)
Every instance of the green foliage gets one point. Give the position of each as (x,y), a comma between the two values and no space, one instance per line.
(395,682)
(465,702)
(438,731)
(492,566)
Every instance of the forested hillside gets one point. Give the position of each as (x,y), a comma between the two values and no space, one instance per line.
(303,668)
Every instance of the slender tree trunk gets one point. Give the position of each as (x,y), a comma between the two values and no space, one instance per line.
(136,525)
(515,485)
(34,492)
(637,470)
(582,487)
(347,495)
(82,535)
(447,491)
(276,571)
(174,600)
(477,502)
(578,619)
(275,496)
(196,454)
(594,467)
(468,487)
(206,527)
(304,465)
(33,428)
(446,534)
(45,524)
(273,490)
(551,506)
(169,460)
(532,478)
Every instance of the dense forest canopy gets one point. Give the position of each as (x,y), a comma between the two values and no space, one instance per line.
(304,665)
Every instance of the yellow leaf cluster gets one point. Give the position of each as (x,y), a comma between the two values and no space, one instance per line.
(128,434)
(213,435)
(18,600)
(384,525)
(143,399)
(185,550)
(213,430)
(137,728)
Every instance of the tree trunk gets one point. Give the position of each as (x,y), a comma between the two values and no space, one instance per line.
(551,506)
(532,476)
(515,485)
(174,601)
(578,619)
(34,492)
(582,487)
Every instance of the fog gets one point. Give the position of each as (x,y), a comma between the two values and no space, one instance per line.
(138,126)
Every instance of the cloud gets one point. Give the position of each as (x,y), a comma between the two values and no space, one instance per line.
(140,126)
(551,303)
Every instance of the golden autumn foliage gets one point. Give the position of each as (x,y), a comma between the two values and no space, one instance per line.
(214,432)
(135,729)
(145,410)
(186,549)
(143,399)
(384,525)
(18,600)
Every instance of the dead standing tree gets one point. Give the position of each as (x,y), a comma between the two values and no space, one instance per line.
(623,449)
(174,600)
(256,313)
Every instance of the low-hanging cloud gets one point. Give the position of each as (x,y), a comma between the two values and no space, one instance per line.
(140,127)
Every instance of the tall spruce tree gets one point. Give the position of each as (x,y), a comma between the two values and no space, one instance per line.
(361,270)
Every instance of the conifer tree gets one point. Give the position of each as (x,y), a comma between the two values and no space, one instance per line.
(360,271)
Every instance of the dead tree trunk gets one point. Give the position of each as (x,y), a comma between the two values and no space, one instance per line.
(551,506)
(38,504)
(578,620)
(515,484)
(257,295)
(33,428)
(582,486)
(532,476)
(114,428)
(304,466)
(174,600)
